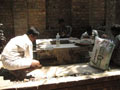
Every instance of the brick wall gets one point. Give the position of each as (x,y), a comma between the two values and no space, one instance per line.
(19,15)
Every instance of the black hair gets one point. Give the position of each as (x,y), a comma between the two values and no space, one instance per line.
(89,30)
(115,29)
(61,21)
(33,31)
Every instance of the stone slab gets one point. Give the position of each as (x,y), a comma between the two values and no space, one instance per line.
(68,80)
(64,54)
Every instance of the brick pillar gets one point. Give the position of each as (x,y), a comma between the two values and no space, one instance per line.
(96,12)
(57,9)
(6,18)
(29,13)
(37,14)
(117,18)
(80,16)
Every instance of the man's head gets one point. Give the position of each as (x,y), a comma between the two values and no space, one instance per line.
(115,29)
(32,34)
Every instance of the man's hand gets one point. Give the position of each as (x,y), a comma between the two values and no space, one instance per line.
(35,64)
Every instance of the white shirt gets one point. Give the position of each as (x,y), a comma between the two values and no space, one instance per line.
(17,48)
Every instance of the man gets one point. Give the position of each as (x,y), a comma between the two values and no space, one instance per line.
(115,59)
(64,30)
(2,38)
(18,53)
(88,37)
(89,33)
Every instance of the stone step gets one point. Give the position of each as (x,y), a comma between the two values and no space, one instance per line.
(5,83)
(1,78)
